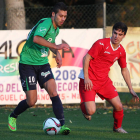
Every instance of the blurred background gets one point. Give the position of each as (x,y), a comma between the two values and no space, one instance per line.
(91,19)
(24,14)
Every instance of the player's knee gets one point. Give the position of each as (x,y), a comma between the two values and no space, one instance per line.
(31,103)
(91,111)
(53,94)
(119,107)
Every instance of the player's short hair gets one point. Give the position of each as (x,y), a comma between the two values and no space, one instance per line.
(120,25)
(59,6)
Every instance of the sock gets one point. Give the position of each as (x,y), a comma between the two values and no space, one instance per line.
(22,106)
(82,106)
(58,109)
(118,118)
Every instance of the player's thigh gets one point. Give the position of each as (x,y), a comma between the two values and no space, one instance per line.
(108,91)
(31,97)
(28,76)
(86,95)
(50,87)
(116,103)
(44,75)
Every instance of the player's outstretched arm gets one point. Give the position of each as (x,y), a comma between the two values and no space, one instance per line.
(127,79)
(41,41)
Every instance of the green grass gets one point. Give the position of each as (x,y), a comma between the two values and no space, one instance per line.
(29,125)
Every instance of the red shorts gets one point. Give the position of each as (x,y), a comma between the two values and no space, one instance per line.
(108,91)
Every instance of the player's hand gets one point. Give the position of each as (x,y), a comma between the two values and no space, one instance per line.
(58,60)
(135,96)
(88,84)
(64,46)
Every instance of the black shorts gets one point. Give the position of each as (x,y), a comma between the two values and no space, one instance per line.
(31,74)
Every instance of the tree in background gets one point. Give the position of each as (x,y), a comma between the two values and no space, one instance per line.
(80,11)
(2,12)
(15,14)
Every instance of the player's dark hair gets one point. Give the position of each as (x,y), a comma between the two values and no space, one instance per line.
(120,25)
(59,6)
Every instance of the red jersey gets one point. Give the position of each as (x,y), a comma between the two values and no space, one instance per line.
(104,56)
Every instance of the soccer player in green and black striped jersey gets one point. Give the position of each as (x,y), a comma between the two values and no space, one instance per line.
(34,66)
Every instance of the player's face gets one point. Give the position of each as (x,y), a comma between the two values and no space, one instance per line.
(60,17)
(117,36)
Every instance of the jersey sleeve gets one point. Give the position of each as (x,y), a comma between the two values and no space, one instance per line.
(43,28)
(96,49)
(122,60)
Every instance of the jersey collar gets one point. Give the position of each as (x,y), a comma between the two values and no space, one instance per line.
(112,46)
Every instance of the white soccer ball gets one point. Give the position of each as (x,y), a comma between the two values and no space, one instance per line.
(51,126)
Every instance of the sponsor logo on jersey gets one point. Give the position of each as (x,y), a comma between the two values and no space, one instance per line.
(115,59)
(107,52)
(107,47)
(42,29)
(45,74)
(44,53)
(101,43)
(50,40)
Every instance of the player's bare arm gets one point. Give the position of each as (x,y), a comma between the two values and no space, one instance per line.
(127,79)
(54,50)
(58,57)
(87,81)
(41,41)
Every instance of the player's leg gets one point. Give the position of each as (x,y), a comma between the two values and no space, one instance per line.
(87,104)
(49,84)
(31,95)
(117,114)
(88,109)
(110,93)
(50,87)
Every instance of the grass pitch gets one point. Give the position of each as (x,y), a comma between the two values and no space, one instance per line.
(29,125)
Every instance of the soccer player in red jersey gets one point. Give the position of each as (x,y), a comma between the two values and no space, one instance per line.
(94,76)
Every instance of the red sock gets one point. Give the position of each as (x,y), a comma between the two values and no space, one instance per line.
(82,105)
(118,118)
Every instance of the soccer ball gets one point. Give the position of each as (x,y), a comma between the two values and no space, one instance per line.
(51,126)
